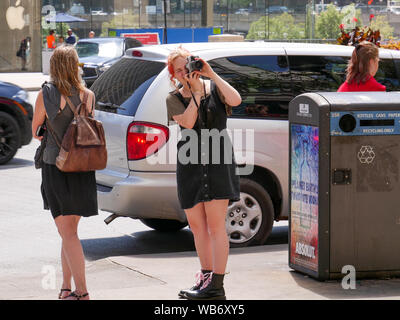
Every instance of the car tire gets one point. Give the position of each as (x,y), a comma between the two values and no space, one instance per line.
(250,220)
(164,225)
(10,137)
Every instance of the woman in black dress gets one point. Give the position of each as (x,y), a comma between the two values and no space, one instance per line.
(208,181)
(69,195)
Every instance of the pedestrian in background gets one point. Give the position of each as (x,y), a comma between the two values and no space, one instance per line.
(61,41)
(204,188)
(68,195)
(91,34)
(51,40)
(71,39)
(22,53)
(362,68)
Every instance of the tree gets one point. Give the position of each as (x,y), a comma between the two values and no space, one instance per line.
(328,22)
(280,27)
(381,23)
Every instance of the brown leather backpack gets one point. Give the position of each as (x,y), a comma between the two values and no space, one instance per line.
(83,147)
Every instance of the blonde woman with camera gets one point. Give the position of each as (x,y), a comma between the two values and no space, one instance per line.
(204,188)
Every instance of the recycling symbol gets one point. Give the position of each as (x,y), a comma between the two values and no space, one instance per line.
(366,154)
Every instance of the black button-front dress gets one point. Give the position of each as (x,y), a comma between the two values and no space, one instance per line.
(207,178)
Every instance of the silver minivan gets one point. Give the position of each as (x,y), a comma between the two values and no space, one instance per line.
(139,181)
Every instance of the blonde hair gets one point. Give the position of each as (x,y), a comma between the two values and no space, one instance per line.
(358,68)
(64,70)
(176,53)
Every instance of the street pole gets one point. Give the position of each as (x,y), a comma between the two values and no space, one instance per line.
(165,22)
(268,19)
(227,15)
(312,19)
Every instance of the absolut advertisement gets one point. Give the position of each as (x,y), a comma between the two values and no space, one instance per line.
(304,196)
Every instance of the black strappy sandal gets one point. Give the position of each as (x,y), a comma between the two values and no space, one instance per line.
(61,292)
(75,296)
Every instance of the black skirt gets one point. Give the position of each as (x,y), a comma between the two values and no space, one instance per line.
(69,193)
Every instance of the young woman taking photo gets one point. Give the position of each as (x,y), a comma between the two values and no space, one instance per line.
(204,187)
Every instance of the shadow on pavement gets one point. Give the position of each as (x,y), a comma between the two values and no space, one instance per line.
(153,242)
(17,163)
(365,288)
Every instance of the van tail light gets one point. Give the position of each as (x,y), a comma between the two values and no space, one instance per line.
(144,139)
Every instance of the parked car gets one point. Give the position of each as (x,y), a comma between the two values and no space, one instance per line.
(96,55)
(15,120)
(276,10)
(243,11)
(131,104)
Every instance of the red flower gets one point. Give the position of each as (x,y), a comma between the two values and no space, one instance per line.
(371,16)
(341,27)
(355,19)
(370,2)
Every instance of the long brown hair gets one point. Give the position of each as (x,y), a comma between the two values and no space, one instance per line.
(64,70)
(358,68)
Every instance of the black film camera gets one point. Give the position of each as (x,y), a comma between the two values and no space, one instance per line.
(193,64)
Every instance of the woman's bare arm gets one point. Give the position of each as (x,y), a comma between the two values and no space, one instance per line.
(39,115)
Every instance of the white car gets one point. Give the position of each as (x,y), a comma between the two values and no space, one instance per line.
(131,104)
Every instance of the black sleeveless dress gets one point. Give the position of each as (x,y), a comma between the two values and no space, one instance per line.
(64,193)
(210,172)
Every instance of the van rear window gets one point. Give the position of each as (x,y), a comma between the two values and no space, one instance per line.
(116,88)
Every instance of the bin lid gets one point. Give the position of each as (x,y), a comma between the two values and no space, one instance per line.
(353,100)
(307,106)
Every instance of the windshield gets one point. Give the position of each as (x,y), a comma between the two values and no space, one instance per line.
(105,50)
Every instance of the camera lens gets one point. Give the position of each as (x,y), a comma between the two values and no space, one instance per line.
(198,65)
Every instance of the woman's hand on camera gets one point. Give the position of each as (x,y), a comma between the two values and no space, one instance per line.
(206,71)
(194,81)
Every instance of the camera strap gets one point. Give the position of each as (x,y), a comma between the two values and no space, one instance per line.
(190,89)
(199,110)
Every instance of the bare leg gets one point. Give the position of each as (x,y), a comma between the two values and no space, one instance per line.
(68,229)
(198,224)
(216,212)
(67,275)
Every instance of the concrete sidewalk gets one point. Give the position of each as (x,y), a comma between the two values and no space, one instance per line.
(255,273)
(30,81)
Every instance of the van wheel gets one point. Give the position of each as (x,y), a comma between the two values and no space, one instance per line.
(10,137)
(164,225)
(250,220)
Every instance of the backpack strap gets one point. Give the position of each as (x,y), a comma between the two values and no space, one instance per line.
(77,109)
(52,132)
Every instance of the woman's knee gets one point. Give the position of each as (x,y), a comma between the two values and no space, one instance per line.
(67,227)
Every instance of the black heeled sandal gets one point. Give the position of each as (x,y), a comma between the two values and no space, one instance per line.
(61,292)
(75,296)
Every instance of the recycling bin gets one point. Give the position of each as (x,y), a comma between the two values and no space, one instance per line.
(344,182)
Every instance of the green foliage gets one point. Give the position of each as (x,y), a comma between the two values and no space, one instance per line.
(328,22)
(382,24)
(280,27)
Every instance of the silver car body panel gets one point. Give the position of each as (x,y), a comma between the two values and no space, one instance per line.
(115,129)
(144,195)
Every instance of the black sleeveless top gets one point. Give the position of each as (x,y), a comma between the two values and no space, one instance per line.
(59,119)
(206,168)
